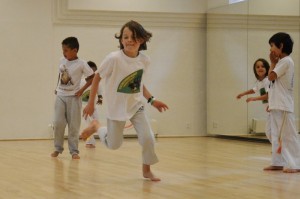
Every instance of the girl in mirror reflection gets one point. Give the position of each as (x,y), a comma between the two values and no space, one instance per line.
(285,138)
(261,70)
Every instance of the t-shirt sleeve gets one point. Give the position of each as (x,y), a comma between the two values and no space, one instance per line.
(281,68)
(255,88)
(106,67)
(87,71)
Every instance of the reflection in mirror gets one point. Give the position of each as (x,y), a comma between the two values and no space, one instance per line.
(237,35)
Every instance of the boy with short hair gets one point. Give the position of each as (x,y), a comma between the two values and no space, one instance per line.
(68,97)
(285,139)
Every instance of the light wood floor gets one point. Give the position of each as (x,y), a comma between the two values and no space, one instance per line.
(202,167)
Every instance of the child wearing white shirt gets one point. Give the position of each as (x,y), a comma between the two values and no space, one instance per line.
(285,138)
(123,72)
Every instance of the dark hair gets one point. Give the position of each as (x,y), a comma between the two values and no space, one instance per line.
(71,42)
(285,40)
(138,33)
(92,64)
(265,65)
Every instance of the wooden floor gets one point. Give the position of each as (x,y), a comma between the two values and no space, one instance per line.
(202,167)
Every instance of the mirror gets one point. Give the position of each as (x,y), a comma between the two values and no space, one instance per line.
(237,35)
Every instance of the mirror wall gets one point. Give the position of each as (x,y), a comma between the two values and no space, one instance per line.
(237,35)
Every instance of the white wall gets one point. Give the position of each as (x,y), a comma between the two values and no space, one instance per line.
(27,69)
(32,31)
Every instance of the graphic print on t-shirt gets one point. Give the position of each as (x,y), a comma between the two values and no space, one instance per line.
(85,96)
(65,77)
(131,83)
(262,92)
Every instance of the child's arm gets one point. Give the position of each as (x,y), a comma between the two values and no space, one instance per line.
(263,97)
(251,91)
(160,106)
(274,59)
(88,80)
(55,92)
(89,108)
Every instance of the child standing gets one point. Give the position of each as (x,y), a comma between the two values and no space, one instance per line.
(68,97)
(91,142)
(261,69)
(123,72)
(285,139)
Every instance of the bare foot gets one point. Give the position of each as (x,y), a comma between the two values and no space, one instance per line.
(75,156)
(151,176)
(148,174)
(273,168)
(90,130)
(285,170)
(54,154)
(90,146)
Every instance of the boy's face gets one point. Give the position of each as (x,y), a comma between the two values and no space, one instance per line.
(275,50)
(69,54)
(131,46)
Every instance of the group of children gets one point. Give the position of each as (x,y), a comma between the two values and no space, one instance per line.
(123,72)
(275,83)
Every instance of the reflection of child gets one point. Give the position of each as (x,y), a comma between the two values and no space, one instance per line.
(285,139)
(68,97)
(90,142)
(123,73)
(260,69)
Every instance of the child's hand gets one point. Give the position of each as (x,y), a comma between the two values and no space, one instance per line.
(239,96)
(273,58)
(251,99)
(79,93)
(88,111)
(160,106)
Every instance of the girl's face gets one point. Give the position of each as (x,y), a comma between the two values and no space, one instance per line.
(69,54)
(276,52)
(131,46)
(260,70)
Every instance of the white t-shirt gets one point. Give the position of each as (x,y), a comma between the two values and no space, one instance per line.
(281,90)
(70,74)
(262,87)
(124,82)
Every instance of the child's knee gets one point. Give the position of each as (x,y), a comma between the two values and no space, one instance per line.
(114,146)
(147,140)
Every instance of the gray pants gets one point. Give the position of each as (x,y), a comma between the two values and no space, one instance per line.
(67,111)
(112,135)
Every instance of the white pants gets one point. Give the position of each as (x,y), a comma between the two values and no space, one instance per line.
(268,128)
(112,135)
(290,152)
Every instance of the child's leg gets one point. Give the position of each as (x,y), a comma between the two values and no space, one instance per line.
(74,119)
(59,125)
(112,135)
(90,142)
(90,130)
(277,162)
(146,140)
(290,145)
(268,128)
